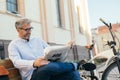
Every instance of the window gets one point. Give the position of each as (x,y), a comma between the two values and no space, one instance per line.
(58,13)
(1,50)
(4,48)
(12,6)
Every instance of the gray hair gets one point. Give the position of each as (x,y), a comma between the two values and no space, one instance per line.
(21,22)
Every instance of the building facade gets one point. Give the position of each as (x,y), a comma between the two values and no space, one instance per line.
(57,21)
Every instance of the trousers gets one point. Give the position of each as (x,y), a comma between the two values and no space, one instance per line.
(56,71)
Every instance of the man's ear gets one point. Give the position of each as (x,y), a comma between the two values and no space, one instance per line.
(17,29)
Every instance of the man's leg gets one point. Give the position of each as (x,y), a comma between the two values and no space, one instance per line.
(39,76)
(52,69)
(73,75)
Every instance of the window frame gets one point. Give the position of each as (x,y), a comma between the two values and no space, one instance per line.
(12,6)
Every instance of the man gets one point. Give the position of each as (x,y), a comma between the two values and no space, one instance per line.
(27,54)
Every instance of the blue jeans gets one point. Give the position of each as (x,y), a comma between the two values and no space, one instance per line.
(56,71)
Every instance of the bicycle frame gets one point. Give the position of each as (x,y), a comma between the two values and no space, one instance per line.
(110,61)
(90,52)
(112,44)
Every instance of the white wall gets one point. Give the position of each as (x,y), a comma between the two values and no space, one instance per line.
(37,31)
(7,20)
(32,9)
(62,36)
(53,11)
(67,23)
(84,22)
(7,28)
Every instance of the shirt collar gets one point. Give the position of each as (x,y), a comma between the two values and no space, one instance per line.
(23,40)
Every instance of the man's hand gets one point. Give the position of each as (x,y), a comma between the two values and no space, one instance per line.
(70,43)
(40,62)
(87,46)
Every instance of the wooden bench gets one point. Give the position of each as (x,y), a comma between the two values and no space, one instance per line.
(13,73)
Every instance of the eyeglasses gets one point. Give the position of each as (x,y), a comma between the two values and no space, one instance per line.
(27,29)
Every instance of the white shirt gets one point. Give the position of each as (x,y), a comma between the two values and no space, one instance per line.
(23,53)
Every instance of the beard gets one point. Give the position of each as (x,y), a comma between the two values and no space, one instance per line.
(27,36)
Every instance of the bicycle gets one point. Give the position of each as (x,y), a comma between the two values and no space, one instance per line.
(91,75)
(112,72)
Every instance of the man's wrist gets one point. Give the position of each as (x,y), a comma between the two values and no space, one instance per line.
(34,66)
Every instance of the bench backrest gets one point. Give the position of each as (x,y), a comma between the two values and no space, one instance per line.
(13,72)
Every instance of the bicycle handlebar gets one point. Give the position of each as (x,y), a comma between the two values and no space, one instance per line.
(103,22)
(110,43)
(109,26)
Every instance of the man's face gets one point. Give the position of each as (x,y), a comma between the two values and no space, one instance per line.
(25,31)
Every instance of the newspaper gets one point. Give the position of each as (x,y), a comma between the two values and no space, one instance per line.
(56,53)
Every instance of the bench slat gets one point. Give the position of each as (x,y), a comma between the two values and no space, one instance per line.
(13,72)
(6,63)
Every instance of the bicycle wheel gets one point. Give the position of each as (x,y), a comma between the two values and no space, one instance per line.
(111,72)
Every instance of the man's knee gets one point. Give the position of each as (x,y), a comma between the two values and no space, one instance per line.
(51,67)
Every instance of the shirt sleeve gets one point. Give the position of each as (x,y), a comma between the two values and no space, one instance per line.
(44,44)
(16,59)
